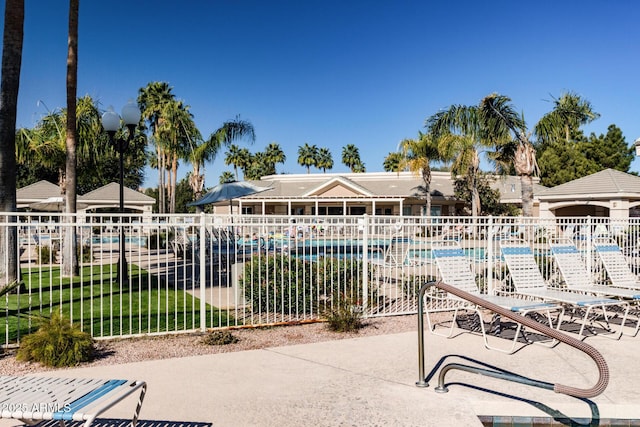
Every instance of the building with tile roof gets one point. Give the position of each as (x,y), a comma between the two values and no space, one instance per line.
(608,193)
(373,193)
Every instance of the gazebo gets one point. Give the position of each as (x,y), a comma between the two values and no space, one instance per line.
(608,193)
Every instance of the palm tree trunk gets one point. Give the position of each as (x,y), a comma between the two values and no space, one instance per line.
(526,166)
(69,256)
(9,84)
(173,178)
(160,210)
(426,178)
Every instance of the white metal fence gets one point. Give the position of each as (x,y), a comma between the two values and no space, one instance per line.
(194,272)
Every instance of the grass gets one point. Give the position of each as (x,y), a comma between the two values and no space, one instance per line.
(95,301)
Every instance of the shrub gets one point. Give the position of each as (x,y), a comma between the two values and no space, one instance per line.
(344,314)
(44,254)
(57,343)
(220,338)
(282,283)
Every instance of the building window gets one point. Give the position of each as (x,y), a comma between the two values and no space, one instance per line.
(247,210)
(357,210)
(435,210)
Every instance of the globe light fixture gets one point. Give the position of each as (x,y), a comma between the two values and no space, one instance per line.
(111,123)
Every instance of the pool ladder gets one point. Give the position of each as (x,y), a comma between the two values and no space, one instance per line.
(603,369)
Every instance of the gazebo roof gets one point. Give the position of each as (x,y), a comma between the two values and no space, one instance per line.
(110,193)
(604,183)
(37,191)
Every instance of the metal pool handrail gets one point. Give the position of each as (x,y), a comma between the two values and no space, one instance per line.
(603,369)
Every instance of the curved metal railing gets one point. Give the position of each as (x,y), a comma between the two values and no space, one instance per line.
(603,369)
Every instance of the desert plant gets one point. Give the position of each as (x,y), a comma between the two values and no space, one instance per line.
(343,314)
(56,343)
(282,283)
(220,338)
(44,254)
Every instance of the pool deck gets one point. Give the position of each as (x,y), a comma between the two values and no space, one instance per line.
(370,381)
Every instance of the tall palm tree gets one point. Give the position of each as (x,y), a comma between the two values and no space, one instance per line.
(274,155)
(177,133)
(508,132)
(308,156)
(570,111)
(417,155)
(229,132)
(70,185)
(460,137)
(351,157)
(151,100)
(325,160)
(234,157)
(9,84)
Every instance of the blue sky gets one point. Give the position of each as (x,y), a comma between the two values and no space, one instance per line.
(333,73)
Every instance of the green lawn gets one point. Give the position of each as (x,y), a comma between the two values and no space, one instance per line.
(94,300)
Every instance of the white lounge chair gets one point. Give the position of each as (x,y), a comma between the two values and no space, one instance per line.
(394,259)
(32,399)
(528,281)
(455,270)
(615,263)
(577,278)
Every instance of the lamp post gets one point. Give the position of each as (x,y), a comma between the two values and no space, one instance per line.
(637,144)
(111,124)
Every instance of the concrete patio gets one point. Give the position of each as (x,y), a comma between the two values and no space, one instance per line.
(371,382)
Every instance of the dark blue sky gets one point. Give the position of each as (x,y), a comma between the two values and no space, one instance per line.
(332,73)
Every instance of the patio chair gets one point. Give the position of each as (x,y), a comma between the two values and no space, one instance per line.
(577,278)
(455,270)
(394,259)
(615,264)
(528,282)
(32,399)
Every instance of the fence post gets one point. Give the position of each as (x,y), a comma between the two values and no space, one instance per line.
(489,256)
(589,246)
(365,265)
(202,256)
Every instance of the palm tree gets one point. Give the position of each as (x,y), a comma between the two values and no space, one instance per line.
(234,157)
(9,84)
(359,167)
(351,157)
(417,155)
(325,160)
(462,131)
(308,156)
(178,135)
(225,177)
(508,132)
(460,137)
(151,100)
(274,155)
(570,111)
(69,257)
(230,131)
(46,144)
(393,162)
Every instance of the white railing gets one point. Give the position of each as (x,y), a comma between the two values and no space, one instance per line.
(194,272)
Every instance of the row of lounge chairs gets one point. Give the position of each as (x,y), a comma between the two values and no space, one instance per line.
(593,306)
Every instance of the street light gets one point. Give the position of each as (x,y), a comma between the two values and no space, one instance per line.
(111,124)
(637,144)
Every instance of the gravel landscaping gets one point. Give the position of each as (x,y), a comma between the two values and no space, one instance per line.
(120,351)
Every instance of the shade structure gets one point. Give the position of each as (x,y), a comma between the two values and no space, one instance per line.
(54,204)
(228,191)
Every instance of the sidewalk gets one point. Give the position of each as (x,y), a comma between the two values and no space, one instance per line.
(371,382)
